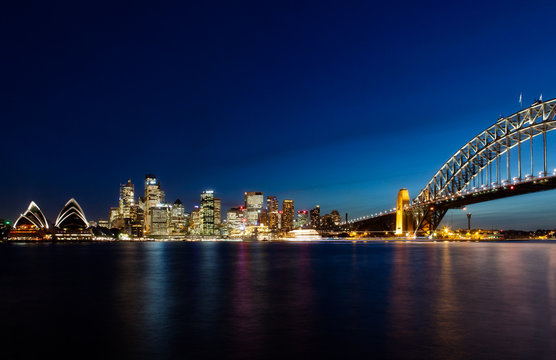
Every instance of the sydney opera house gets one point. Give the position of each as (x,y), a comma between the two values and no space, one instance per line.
(71,224)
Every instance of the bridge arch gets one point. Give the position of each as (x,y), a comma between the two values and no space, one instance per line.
(487,147)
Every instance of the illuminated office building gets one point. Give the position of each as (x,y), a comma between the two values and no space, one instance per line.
(136,221)
(272,212)
(264,218)
(127,199)
(315,217)
(235,220)
(195,222)
(207,213)
(287,215)
(217,211)
(254,201)
(159,220)
(178,218)
(154,197)
(114,217)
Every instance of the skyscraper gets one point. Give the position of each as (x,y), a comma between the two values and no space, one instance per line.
(253,204)
(314,217)
(127,199)
(207,212)
(272,210)
(287,215)
(178,218)
(154,197)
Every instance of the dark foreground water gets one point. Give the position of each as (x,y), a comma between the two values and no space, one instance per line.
(278,300)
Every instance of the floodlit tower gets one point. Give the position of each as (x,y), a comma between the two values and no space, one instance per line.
(403,224)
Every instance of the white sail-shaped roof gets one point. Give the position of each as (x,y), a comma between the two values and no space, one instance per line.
(32,216)
(71,215)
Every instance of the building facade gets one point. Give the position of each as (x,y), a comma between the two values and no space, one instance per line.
(314,217)
(254,201)
(235,220)
(207,213)
(287,215)
(217,212)
(273,213)
(178,218)
(127,199)
(154,197)
(159,220)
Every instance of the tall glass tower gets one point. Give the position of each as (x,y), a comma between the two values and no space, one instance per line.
(207,212)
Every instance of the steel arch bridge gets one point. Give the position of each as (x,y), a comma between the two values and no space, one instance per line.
(481,170)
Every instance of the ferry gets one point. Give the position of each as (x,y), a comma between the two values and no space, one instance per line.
(303,235)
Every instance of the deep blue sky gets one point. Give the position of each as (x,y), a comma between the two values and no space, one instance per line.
(331,103)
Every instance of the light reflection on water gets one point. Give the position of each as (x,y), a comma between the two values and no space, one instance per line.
(253,300)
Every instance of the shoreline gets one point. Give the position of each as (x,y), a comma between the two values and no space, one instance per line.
(323,240)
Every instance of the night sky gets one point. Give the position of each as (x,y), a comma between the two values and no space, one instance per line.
(332,103)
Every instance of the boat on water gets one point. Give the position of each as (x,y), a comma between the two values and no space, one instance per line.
(303,235)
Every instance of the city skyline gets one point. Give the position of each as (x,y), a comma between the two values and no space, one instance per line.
(151,216)
(289,179)
(293,102)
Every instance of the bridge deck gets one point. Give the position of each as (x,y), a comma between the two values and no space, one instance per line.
(386,221)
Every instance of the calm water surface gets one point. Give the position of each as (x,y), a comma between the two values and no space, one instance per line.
(279,300)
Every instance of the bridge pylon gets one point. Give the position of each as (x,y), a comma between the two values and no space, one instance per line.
(404,218)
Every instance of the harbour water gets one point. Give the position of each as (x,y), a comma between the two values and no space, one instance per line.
(167,300)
